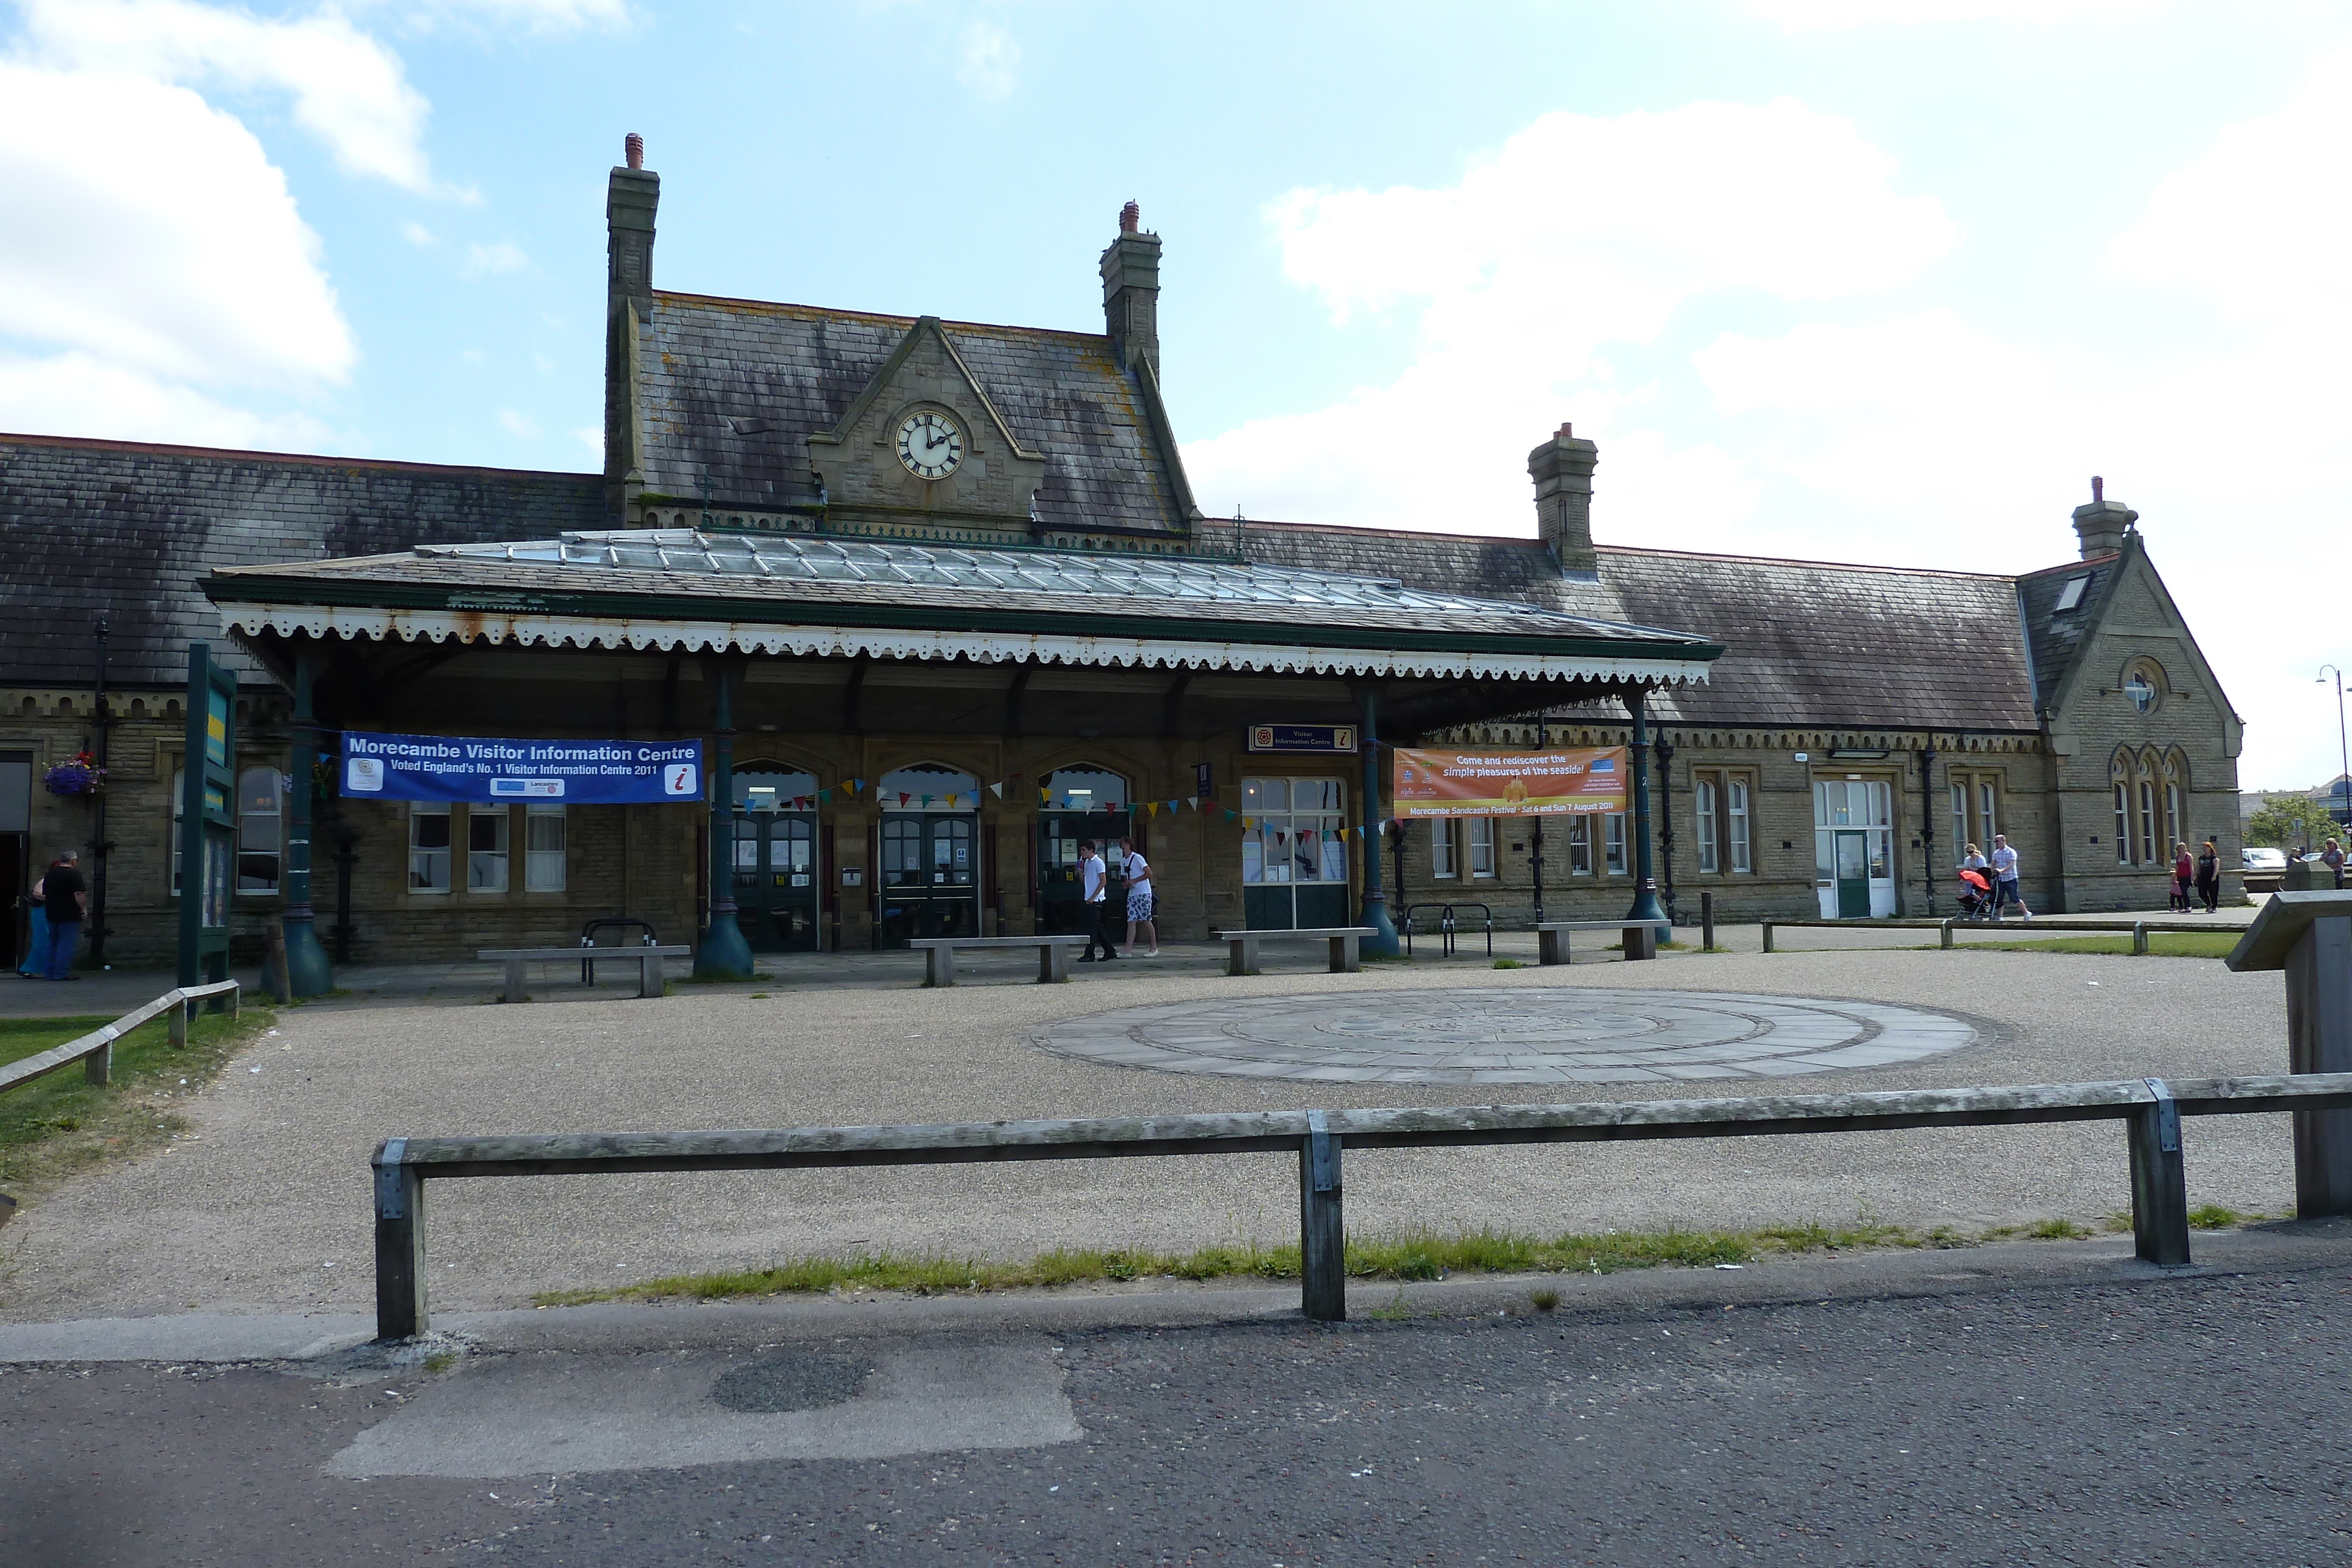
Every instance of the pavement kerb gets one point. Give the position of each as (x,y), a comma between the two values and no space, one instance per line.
(621,1327)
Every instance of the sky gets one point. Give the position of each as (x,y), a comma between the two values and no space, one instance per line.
(1881,281)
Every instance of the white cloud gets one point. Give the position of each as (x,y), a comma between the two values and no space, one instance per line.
(592,436)
(1580,233)
(78,394)
(538,15)
(988,58)
(150,229)
(521,424)
(482,260)
(417,235)
(1810,14)
(348,90)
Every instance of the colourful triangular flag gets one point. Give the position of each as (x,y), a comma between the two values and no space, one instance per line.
(856,784)
(824,795)
(1153,808)
(904,798)
(1193,802)
(997,791)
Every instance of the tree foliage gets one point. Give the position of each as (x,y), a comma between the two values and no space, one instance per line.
(2295,820)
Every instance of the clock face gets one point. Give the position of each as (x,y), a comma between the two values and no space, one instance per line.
(930,446)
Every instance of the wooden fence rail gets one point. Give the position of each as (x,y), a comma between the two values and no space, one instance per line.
(2152,1108)
(95,1050)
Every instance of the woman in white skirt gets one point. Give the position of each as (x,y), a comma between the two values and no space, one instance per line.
(1138,871)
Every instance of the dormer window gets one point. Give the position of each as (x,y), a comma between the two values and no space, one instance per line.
(2070,596)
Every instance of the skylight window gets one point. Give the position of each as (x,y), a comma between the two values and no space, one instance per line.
(2070,596)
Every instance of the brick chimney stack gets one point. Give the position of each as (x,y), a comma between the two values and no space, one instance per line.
(2103,523)
(630,199)
(1130,279)
(1562,470)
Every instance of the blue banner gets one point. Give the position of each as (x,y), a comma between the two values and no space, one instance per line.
(493,771)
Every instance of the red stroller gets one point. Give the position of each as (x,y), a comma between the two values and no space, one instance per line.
(1978,901)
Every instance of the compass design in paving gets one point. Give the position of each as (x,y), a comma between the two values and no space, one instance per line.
(1493,1035)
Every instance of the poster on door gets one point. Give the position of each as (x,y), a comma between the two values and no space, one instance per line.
(1439,784)
(492,771)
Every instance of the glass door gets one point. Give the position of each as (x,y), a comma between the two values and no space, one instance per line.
(931,875)
(1852,860)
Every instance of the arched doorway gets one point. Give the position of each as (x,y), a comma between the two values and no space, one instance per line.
(776,871)
(1080,801)
(930,853)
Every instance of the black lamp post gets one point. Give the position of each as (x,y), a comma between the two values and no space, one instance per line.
(2342,790)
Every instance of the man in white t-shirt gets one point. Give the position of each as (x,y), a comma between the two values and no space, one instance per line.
(1140,899)
(2004,878)
(1094,884)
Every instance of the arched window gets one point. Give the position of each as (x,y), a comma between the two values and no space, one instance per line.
(2176,798)
(928,787)
(2144,685)
(1084,788)
(2119,774)
(2150,850)
(261,836)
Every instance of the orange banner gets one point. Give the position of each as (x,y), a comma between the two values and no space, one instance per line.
(1509,783)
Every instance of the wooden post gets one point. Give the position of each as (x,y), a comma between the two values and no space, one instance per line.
(399,1305)
(176,1028)
(1322,1236)
(2319,1039)
(99,1065)
(1707,922)
(2158,1181)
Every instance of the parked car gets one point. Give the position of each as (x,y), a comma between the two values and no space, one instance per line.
(2256,859)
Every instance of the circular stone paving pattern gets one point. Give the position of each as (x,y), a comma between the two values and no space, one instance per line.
(1515,1036)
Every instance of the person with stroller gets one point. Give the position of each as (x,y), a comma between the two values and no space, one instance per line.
(1976,885)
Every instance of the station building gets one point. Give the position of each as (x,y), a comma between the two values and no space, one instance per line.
(942,591)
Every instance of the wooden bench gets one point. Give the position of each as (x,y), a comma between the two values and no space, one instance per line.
(940,955)
(518,959)
(1641,937)
(1347,953)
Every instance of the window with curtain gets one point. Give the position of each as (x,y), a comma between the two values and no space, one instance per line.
(260,829)
(543,848)
(486,849)
(1721,800)
(1442,857)
(428,846)
(1481,846)
(1579,846)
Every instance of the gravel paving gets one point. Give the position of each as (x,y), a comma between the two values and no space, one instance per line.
(267,1207)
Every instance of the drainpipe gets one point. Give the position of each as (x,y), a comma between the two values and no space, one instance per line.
(1927,819)
(1645,891)
(723,954)
(1383,942)
(308,973)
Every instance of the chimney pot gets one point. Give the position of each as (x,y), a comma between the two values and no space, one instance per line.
(1566,429)
(1562,470)
(633,148)
(1131,218)
(2098,490)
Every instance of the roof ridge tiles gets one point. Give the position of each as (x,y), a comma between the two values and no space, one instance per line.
(891,318)
(301,459)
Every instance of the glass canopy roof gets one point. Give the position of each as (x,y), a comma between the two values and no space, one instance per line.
(820,558)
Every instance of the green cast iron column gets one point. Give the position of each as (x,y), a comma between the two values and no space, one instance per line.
(1646,890)
(723,955)
(1383,943)
(308,973)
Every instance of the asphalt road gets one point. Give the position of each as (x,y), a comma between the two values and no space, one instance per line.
(2114,1416)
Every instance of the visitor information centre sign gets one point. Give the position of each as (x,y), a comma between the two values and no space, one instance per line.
(1509,783)
(463,767)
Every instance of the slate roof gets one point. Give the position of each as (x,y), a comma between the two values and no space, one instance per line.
(1807,642)
(2057,636)
(808,576)
(124,529)
(737,386)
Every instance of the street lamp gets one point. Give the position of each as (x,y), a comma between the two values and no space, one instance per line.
(2343,787)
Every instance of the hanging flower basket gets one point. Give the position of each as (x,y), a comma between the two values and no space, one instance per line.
(77,775)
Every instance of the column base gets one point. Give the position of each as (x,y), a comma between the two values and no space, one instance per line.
(1383,942)
(308,971)
(722,954)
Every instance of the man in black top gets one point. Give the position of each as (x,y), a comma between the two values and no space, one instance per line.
(66,898)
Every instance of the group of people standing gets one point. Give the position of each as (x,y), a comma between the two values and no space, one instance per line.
(60,901)
(1094,886)
(2199,875)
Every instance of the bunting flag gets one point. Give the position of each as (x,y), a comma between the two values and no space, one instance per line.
(1045,796)
(1153,808)
(904,798)
(856,784)
(997,791)
(1193,802)
(824,795)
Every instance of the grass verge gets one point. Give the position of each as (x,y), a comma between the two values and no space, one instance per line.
(1408,1256)
(2161,944)
(56,1126)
